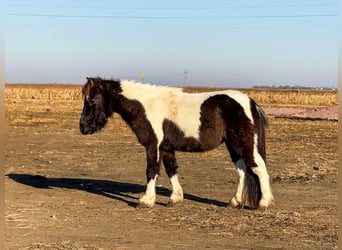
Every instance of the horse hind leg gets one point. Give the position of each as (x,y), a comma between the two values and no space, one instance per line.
(258,189)
(237,200)
(248,191)
(253,187)
(170,164)
(261,171)
(240,167)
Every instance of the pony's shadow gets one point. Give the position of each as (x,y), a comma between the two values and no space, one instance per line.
(121,191)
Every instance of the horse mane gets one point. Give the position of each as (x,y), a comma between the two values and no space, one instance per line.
(86,88)
(95,82)
(130,88)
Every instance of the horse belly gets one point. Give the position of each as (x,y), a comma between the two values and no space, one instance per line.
(211,139)
(190,144)
(176,139)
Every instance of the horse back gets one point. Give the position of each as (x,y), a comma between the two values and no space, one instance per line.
(190,121)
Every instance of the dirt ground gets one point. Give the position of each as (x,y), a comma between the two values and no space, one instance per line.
(65,190)
(309,113)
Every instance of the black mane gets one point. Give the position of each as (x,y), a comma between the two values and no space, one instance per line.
(101,85)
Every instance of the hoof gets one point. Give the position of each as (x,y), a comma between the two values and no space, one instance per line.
(235,204)
(142,205)
(238,206)
(171,204)
(146,201)
(264,203)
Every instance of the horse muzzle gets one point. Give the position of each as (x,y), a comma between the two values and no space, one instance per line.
(86,128)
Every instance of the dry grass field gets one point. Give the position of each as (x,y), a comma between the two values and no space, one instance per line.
(69,191)
(262,96)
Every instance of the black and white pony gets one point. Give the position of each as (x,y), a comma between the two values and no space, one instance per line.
(166,119)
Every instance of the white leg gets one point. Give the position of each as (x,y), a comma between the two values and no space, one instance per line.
(240,169)
(261,172)
(177,191)
(148,199)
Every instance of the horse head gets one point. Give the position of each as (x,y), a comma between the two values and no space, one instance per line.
(97,105)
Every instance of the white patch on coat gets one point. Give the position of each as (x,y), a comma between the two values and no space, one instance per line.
(183,109)
(243,100)
(149,198)
(261,172)
(177,191)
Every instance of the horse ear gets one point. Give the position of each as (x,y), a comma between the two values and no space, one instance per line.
(90,80)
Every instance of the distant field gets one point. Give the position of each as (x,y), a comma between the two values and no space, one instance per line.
(263,96)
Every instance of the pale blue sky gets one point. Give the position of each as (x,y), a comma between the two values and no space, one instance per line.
(227,43)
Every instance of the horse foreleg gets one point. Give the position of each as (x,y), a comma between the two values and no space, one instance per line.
(149,198)
(152,171)
(177,191)
(170,164)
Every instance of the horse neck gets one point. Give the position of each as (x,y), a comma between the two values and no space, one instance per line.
(126,108)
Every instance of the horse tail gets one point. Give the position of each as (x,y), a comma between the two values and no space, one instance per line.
(262,123)
(252,190)
(252,187)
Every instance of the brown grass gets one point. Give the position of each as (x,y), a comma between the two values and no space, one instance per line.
(291,97)
(43,91)
(261,96)
(302,97)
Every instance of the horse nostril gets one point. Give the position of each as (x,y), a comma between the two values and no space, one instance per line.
(83,129)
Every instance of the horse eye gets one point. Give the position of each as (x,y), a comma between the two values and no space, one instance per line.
(90,102)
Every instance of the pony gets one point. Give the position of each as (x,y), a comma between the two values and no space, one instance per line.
(167,119)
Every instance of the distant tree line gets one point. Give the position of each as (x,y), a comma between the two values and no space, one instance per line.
(290,87)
